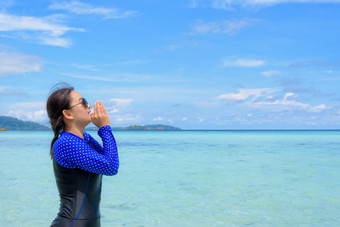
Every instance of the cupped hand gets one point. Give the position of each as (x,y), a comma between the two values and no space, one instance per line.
(99,117)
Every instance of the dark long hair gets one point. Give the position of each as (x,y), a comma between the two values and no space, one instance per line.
(58,101)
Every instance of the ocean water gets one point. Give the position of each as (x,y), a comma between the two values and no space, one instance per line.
(187,178)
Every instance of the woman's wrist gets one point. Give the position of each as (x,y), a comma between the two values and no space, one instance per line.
(104,127)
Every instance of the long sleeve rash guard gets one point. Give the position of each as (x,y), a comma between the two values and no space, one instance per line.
(71,151)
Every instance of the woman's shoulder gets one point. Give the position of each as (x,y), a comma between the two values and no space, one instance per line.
(67,138)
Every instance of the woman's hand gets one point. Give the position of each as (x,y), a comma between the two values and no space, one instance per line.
(99,116)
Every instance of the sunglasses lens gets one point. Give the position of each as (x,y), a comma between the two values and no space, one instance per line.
(85,103)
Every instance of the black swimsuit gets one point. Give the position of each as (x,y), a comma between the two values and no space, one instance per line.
(80,193)
(79,165)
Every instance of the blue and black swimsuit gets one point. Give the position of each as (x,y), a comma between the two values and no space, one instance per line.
(79,165)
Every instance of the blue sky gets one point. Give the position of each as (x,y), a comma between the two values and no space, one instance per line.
(210,64)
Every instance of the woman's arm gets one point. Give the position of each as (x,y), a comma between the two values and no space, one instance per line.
(93,142)
(71,151)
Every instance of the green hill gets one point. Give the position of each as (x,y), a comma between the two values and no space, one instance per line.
(11,123)
(14,124)
(149,127)
(142,128)
(135,127)
(161,127)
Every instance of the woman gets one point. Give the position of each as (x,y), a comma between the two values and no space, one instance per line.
(79,161)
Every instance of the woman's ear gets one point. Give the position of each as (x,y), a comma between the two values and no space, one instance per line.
(67,115)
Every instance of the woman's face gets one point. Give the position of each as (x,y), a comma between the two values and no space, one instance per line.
(80,113)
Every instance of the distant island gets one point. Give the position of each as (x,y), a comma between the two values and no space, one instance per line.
(143,128)
(14,124)
(150,127)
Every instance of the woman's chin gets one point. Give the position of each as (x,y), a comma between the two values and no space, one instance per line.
(89,119)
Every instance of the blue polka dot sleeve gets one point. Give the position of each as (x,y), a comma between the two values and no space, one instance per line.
(71,151)
(93,142)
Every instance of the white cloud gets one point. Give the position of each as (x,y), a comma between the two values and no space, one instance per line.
(35,116)
(17,23)
(111,78)
(8,91)
(85,67)
(121,101)
(27,105)
(97,78)
(127,118)
(270,73)
(16,63)
(329,71)
(319,108)
(262,98)
(56,41)
(81,8)
(288,100)
(157,118)
(228,4)
(224,27)
(172,47)
(116,104)
(200,119)
(243,63)
(29,111)
(194,4)
(244,94)
(285,1)
(43,30)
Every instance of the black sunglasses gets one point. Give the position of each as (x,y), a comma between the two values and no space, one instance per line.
(83,101)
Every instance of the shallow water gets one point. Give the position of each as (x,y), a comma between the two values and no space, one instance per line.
(187,178)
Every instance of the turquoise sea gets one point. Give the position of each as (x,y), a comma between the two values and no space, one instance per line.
(187,178)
